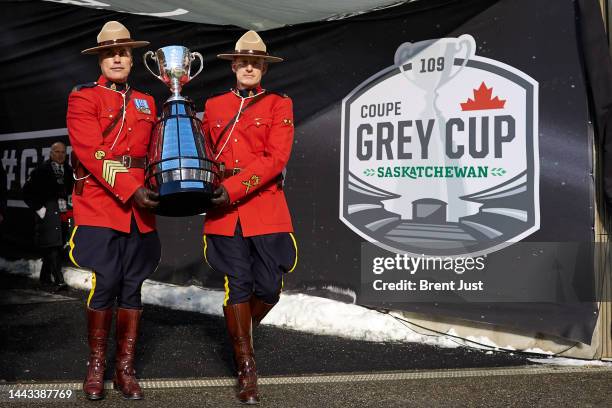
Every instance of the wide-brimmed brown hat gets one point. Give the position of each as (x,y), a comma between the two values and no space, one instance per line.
(114,34)
(250,45)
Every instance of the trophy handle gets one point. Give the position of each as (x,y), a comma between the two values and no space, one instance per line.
(154,58)
(468,49)
(193,55)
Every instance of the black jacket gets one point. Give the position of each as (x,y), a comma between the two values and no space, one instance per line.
(42,190)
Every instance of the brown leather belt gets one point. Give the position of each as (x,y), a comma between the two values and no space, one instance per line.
(133,162)
(231,172)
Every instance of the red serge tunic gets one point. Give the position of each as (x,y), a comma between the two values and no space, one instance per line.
(105,201)
(259,145)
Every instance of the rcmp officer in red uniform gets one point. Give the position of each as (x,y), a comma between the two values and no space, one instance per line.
(109,126)
(248,236)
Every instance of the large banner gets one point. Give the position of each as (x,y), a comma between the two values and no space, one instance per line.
(458,169)
(438,129)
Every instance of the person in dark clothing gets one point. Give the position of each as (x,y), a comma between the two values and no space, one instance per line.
(47,192)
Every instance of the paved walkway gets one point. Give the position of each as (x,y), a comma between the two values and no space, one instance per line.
(42,345)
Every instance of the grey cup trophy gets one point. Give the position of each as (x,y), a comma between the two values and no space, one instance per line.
(179,168)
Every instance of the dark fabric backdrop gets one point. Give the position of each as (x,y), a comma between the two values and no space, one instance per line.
(40,62)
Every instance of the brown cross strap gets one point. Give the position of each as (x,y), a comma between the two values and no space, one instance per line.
(112,125)
(231,122)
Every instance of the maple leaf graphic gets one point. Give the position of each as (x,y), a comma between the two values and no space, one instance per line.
(482,100)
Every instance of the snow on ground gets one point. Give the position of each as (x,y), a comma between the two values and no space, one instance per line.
(295,311)
(22,267)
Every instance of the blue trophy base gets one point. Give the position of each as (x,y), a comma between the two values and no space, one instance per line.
(184,198)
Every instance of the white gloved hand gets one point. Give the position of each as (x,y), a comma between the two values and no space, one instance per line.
(41,212)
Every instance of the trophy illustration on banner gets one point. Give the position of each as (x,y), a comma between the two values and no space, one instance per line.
(429,65)
(178,166)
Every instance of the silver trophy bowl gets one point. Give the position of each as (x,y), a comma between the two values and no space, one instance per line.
(179,168)
(174,67)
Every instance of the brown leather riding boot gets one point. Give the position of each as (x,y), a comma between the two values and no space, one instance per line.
(239,327)
(259,310)
(98,326)
(127,334)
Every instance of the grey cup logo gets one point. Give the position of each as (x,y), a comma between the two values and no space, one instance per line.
(440,152)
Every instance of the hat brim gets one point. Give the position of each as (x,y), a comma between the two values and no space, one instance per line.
(267,58)
(131,44)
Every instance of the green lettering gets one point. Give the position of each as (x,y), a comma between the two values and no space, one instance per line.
(460,171)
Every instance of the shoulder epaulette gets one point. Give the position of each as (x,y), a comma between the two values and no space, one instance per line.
(214,95)
(282,95)
(81,86)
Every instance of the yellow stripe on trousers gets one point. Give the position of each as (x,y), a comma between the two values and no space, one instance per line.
(296,252)
(205,243)
(226,285)
(225,299)
(71,255)
(72,247)
(93,287)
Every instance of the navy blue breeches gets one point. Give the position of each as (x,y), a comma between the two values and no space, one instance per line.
(251,265)
(120,263)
